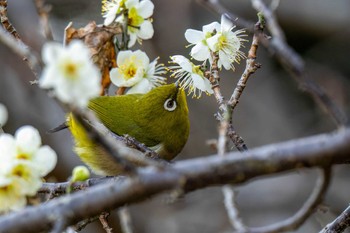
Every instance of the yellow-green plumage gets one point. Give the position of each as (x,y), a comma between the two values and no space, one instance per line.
(146,117)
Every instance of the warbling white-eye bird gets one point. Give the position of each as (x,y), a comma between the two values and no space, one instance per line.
(159,119)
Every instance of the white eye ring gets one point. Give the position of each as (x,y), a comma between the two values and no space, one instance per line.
(170,105)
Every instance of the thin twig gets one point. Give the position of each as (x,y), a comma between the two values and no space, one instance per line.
(236,139)
(22,50)
(5,21)
(305,211)
(60,188)
(125,219)
(133,143)
(339,224)
(43,11)
(235,168)
(104,221)
(213,76)
(230,204)
(251,65)
(82,224)
(225,113)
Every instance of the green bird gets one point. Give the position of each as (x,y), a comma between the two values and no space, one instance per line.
(159,119)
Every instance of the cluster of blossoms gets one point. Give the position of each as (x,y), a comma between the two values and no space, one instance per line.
(214,39)
(217,38)
(135,71)
(133,13)
(24,161)
(67,67)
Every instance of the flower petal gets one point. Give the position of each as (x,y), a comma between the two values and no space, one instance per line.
(131,3)
(226,24)
(123,56)
(194,36)
(118,79)
(146,30)
(224,60)
(8,152)
(28,139)
(51,51)
(213,42)
(201,83)
(3,115)
(141,87)
(45,160)
(111,15)
(142,59)
(151,69)
(200,52)
(145,9)
(132,40)
(183,62)
(211,27)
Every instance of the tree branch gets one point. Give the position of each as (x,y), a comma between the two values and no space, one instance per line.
(43,12)
(339,224)
(317,151)
(232,210)
(22,50)
(251,64)
(5,21)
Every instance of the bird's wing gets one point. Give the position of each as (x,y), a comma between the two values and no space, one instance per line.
(117,113)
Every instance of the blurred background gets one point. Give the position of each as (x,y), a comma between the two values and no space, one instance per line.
(271,109)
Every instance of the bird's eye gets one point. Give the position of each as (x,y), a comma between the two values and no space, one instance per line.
(170,105)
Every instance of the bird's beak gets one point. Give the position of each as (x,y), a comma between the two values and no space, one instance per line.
(177,88)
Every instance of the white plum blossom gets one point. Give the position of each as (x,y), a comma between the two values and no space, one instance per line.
(200,50)
(190,76)
(3,115)
(25,175)
(151,78)
(130,68)
(70,73)
(135,71)
(24,161)
(217,38)
(10,196)
(139,23)
(227,44)
(110,10)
